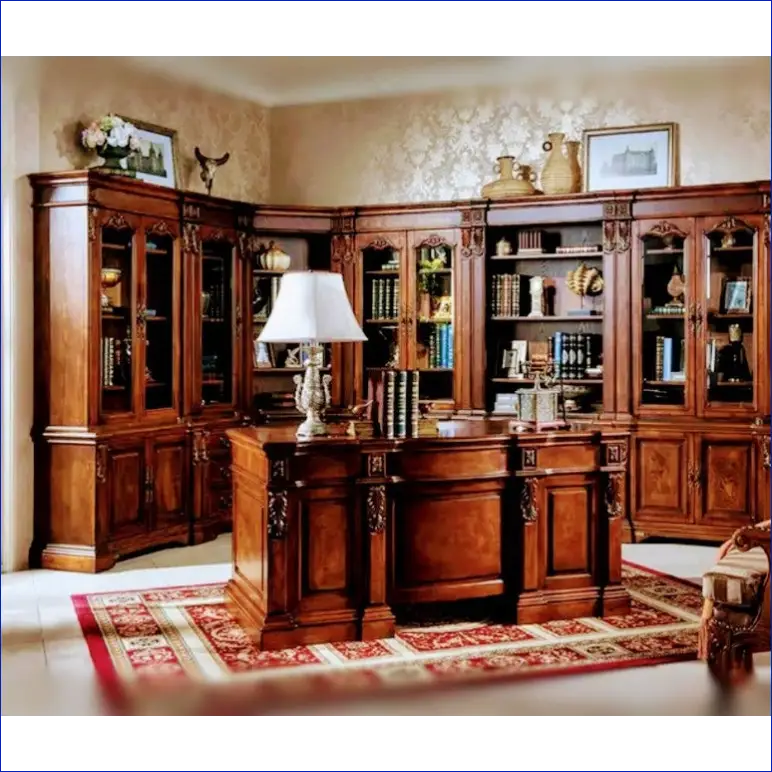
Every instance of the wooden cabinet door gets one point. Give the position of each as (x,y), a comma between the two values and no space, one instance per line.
(431,314)
(158,319)
(217,489)
(380,304)
(169,464)
(663,317)
(118,323)
(730,317)
(126,505)
(562,556)
(659,477)
(723,479)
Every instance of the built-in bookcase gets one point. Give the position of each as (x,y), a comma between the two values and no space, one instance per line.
(547,332)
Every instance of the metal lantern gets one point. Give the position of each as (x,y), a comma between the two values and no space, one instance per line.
(539,407)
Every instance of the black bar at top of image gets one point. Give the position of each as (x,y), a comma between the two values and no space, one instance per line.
(434,745)
(232,30)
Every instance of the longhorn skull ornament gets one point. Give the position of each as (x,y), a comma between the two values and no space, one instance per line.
(209,168)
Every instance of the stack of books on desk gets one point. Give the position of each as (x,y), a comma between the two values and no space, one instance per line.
(394,404)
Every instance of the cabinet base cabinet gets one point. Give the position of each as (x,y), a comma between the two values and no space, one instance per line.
(114,496)
(699,484)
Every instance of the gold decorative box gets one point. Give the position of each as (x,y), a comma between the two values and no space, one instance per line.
(539,407)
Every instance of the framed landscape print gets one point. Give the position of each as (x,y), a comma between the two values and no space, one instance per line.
(631,157)
(156,160)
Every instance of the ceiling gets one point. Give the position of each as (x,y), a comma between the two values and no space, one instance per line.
(286,80)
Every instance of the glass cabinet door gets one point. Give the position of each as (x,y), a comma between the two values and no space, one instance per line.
(159,318)
(118,305)
(432,345)
(725,316)
(662,329)
(218,317)
(383,317)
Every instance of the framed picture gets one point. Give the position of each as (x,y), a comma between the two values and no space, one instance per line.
(631,157)
(736,295)
(156,160)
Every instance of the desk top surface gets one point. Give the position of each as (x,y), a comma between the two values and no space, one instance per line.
(493,431)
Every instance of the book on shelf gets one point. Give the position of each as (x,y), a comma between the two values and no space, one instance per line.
(669,362)
(384,299)
(394,403)
(440,346)
(505,294)
(574,353)
(529,242)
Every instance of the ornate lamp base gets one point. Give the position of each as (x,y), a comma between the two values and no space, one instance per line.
(312,396)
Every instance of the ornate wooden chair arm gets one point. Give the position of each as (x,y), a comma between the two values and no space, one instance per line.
(751,536)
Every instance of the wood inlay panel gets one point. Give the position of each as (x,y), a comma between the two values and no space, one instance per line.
(568,510)
(659,483)
(326,544)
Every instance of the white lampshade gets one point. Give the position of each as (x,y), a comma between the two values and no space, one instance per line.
(312,307)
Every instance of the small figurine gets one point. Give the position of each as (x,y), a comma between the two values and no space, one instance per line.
(733,362)
(209,168)
(293,357)
(537,296)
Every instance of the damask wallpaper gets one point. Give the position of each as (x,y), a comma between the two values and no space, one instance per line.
(443,146)
(73,91)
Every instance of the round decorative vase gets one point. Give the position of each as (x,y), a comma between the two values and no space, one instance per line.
(556,175)
(572,153)
(275,259)
(508,185)
(113,156)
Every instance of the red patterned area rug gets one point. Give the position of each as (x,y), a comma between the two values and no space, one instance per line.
(180,636)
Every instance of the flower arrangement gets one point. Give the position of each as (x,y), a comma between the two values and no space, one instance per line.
(114,139)
(111,131)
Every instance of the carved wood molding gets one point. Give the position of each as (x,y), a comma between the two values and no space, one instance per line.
(101,462)
(434,241)
(117,222)
(664,229)
(343,251)
(191,237)
(376,465)
(159,228)
(616,454)
(614,490)
(277,514)
(616,236)
(343,222)
(731,225)
(618,210)
(472,216)
(376,508)
(765,229)
(191,211)
(528,509)
(529,458)
(378,242)
(278,469)
(92,225)
(472,243)
(220,235)
(243,221)
(765,453)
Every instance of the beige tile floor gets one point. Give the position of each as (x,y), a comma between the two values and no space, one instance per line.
(46,668)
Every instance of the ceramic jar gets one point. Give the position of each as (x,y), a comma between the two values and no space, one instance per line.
(557,177)
(572,153)
(511,183)
(274,258)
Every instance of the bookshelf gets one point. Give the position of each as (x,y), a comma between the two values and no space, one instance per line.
(563,336)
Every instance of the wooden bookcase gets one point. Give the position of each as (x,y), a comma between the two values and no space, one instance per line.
(134,391)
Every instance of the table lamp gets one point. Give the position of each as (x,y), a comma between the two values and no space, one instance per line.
(312,307)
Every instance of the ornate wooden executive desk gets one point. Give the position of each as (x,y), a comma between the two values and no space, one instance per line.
(331,536)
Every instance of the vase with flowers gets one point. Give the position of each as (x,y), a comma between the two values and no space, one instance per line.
(114,139)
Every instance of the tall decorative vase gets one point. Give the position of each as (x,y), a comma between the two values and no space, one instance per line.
(572,152)
(556,175)
(510,183)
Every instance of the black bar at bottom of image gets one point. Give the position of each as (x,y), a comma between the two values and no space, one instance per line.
(491,744)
